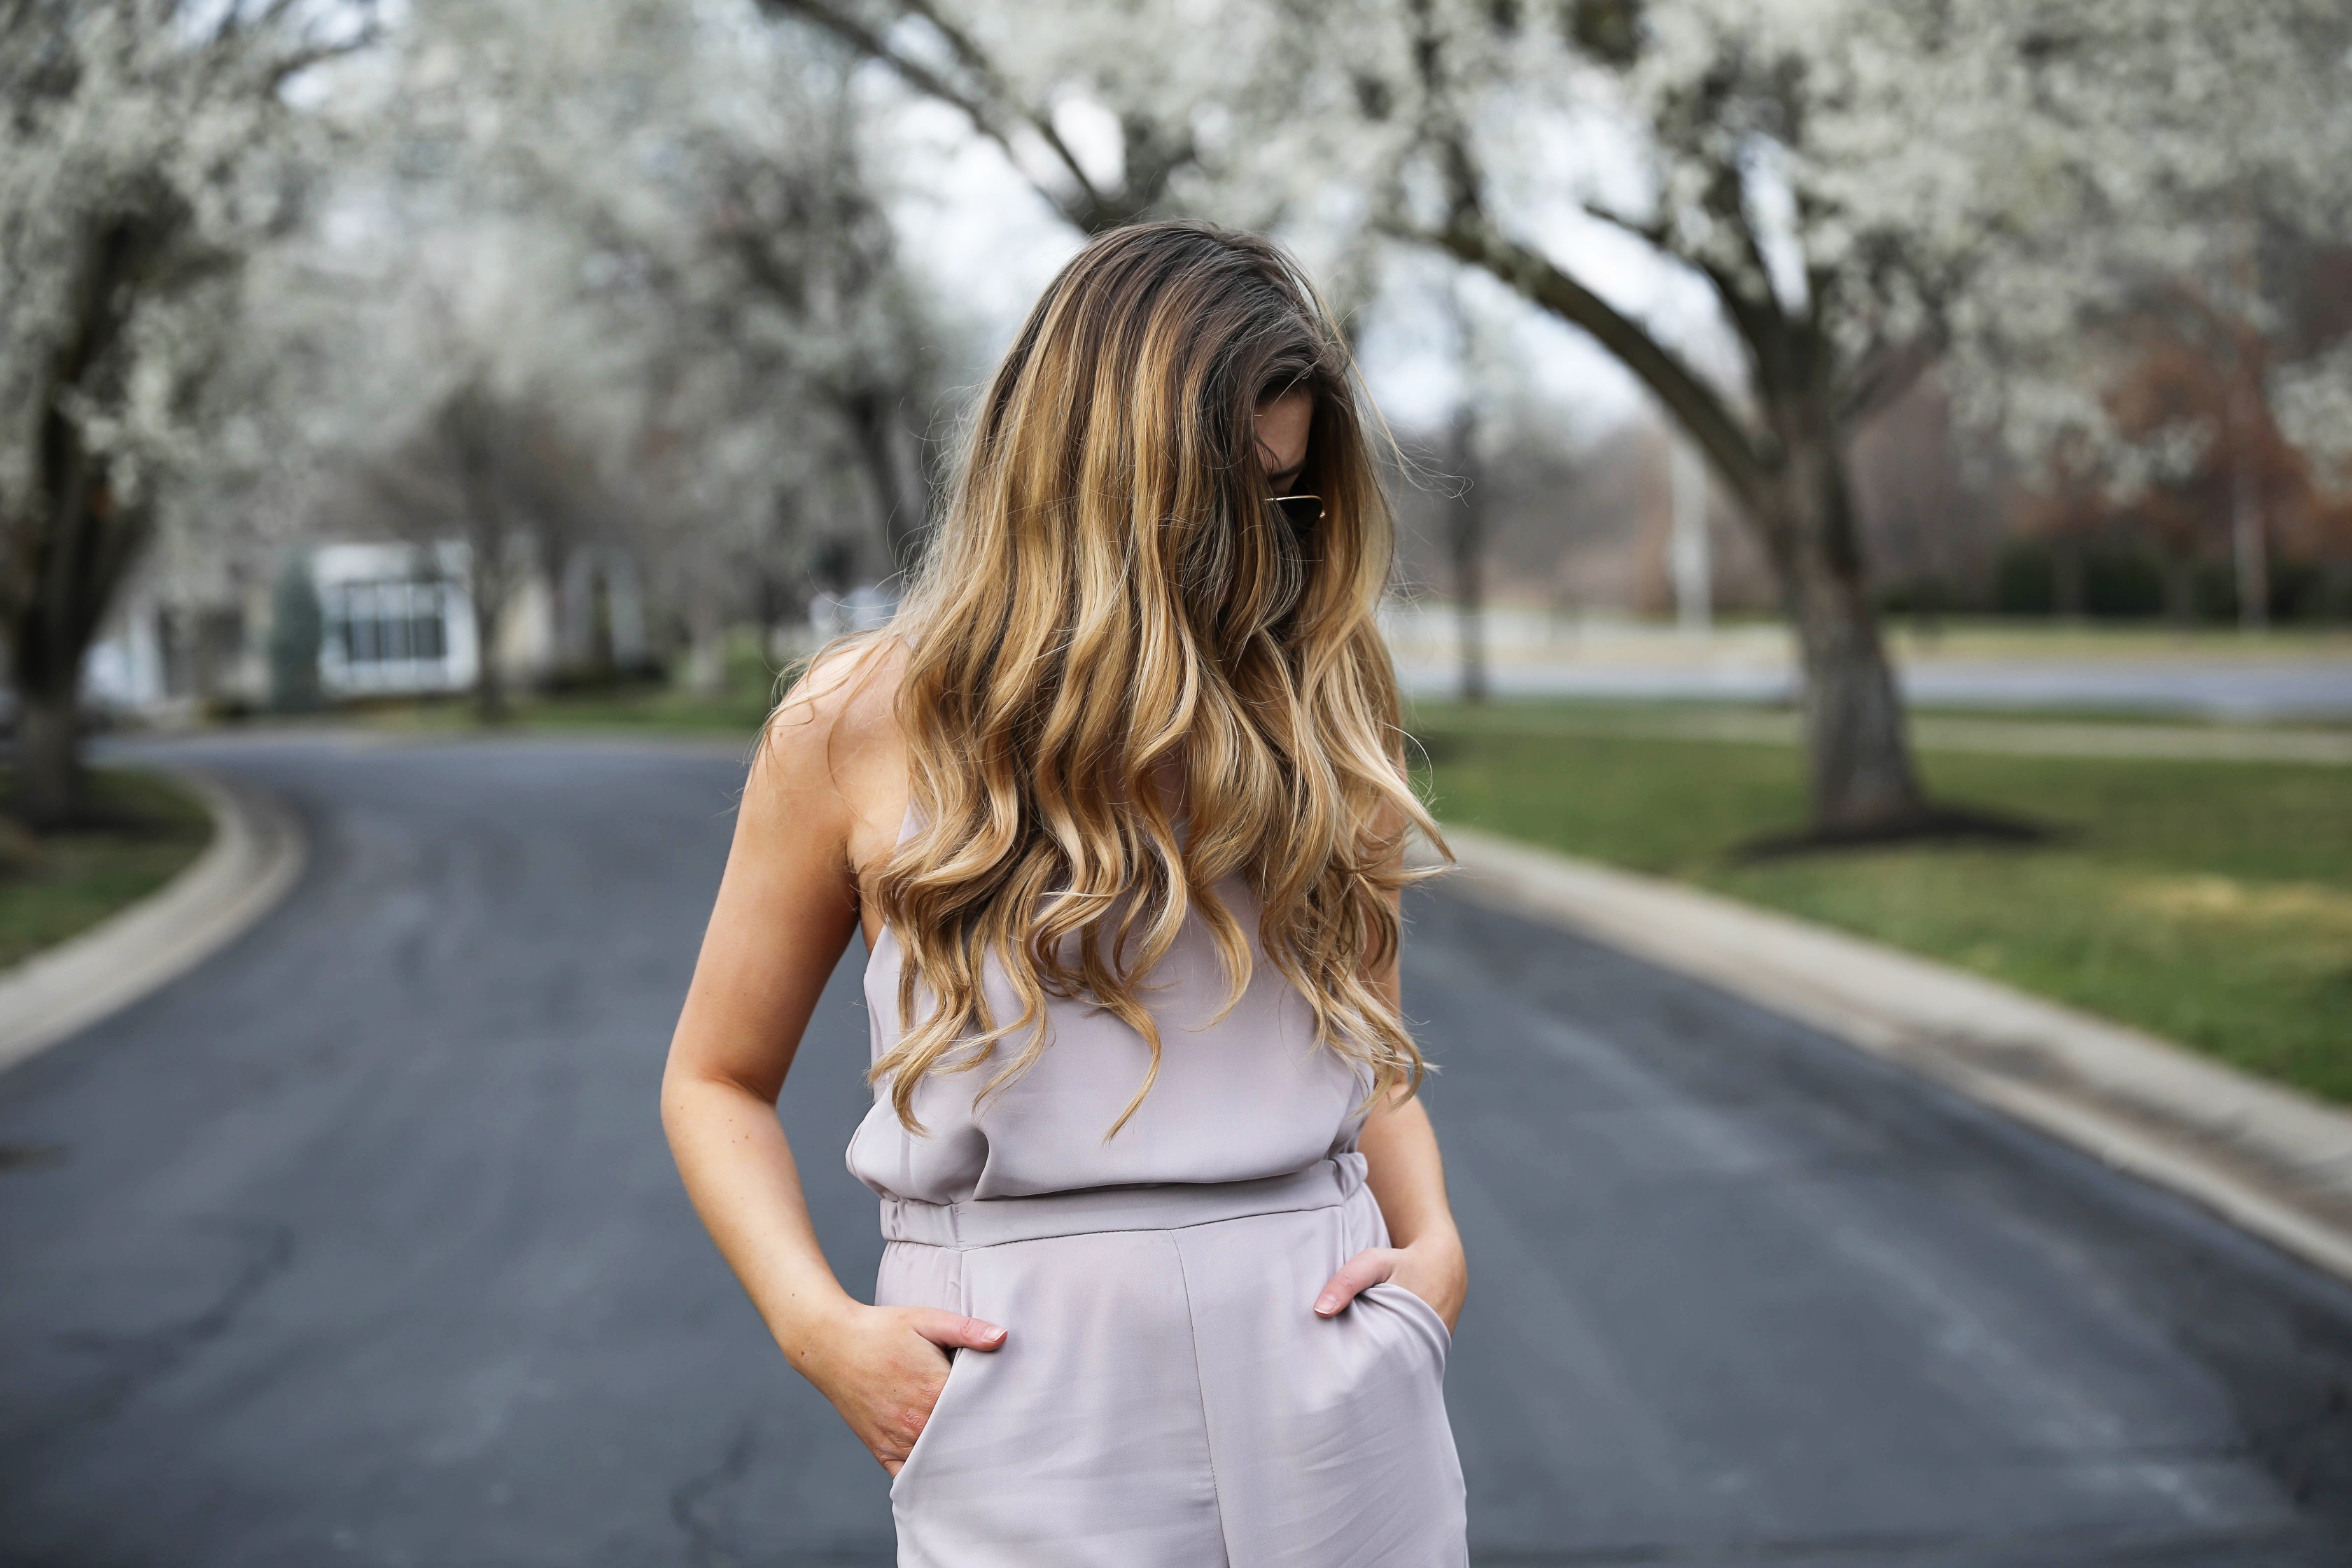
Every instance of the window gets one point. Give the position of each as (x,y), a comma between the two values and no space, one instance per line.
(371,625)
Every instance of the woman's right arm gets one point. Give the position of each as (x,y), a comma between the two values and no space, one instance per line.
(787,908)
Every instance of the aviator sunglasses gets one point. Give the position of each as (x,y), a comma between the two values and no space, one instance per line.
(1302,513)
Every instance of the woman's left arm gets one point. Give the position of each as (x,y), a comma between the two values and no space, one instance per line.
(1407,1176)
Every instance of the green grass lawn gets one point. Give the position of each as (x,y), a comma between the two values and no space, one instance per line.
(650,708)
(59,885)
(641,709)
(2210,902)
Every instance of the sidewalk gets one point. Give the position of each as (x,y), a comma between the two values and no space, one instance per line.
(1975,665)
(2274,1162)
(2307,690)
(1948,732)
(256,854)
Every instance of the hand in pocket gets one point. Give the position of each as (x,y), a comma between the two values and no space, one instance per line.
(883,1368)
(1435,1274)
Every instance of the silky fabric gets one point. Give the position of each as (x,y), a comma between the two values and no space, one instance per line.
(1248,1095)
(1165,1395)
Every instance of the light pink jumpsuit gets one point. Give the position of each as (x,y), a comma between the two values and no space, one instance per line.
(1166,1396)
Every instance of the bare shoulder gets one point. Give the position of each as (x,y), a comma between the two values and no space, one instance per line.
(852,686)
(836,735)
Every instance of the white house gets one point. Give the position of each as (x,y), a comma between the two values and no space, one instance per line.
(396,619)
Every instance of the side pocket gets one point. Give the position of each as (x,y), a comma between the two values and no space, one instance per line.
(957,1361)
(1426,1324)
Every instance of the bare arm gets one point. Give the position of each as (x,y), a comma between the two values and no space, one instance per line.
(1407,1175)
(786,909)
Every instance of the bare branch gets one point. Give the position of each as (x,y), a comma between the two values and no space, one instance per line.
(1884,375)
(1652,233)
(1469,236)
(976,60)
(995,108)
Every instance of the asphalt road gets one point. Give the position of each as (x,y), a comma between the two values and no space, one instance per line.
(360,1244)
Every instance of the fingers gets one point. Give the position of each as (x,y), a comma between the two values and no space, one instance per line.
(1369,1267)
(952,1330)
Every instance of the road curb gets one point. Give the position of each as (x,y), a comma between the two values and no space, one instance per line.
(2274,1162)
(256,854)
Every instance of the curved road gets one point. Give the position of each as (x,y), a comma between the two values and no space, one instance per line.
(360,1244)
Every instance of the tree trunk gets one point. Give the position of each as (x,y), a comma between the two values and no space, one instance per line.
(604,662)
(2066,577)
(2248,550)
(872,415)
(1793,489)
(2181,589)
(48,759)
(1688,554)
(72,545)
(490,683)
(705,649)
(77,562)
(490,581)
(1468,548)
(1862,779)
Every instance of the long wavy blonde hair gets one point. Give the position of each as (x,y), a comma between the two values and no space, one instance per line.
(1110,593)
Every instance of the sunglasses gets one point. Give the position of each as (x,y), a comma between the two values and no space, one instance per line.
(1302,513)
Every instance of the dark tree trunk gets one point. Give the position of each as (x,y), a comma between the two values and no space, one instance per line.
(72,547)
(2249,551)
(1468,546)
(872,415)
(1860,776)
(489,685)
(604,663)
(2181,589)
(487,584)
(48,759)
(2066,576)
(74,562)
(1791,484)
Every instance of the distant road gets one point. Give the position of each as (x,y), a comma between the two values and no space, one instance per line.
(2010,735)
(361,1246)
(2212,689)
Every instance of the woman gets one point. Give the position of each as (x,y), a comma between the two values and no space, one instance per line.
(1119,802)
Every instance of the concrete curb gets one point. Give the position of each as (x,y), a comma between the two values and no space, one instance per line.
(2274,1162)
(256,853)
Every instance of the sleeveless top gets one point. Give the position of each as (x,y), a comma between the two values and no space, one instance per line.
(1249,1096)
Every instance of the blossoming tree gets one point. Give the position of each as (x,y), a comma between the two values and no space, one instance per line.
(1859,188)
(147,148)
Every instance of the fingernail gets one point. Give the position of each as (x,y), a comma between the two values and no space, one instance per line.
(993,1334)
(1327,1304)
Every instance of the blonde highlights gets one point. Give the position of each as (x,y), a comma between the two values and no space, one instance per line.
(1109,601)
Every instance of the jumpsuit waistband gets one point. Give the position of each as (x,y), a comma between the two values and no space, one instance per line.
(1154,1205)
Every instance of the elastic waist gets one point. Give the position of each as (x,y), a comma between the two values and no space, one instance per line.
(1157,1206)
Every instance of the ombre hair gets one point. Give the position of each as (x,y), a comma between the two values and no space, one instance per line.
(1108,591)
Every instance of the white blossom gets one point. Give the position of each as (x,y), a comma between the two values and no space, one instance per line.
(2312,401)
